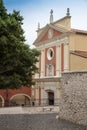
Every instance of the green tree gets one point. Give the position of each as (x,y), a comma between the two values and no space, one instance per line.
(17,60)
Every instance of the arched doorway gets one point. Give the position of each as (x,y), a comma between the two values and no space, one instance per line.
(20,100)
(1,101)
(50,98)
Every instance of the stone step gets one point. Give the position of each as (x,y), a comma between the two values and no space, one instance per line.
(47,109)
(29,110)
(11,110)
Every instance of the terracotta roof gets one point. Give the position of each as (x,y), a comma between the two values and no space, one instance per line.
(79,31)
(80,53)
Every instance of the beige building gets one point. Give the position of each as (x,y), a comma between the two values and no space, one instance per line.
(63,49)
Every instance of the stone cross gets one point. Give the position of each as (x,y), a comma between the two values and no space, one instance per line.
(51,12)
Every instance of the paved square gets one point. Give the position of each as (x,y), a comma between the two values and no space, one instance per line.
(36,122)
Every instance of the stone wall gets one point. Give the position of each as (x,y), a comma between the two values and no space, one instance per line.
(73,103)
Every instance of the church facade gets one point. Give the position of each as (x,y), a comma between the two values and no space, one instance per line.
(63,49)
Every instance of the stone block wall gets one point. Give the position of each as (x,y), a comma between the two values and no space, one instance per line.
(73,102)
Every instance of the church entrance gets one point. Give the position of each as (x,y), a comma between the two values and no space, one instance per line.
(50,98)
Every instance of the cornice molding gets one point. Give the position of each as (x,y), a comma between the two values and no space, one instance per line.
(51,79)
(54,42)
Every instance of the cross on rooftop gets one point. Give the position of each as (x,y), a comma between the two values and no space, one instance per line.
(51,12)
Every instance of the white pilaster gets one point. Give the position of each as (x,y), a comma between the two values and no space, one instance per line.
(42,94)
(66,57)
(37,74)
(58,61)
(42,63)
(37,96)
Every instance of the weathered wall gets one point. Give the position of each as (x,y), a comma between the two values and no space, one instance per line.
(73,104)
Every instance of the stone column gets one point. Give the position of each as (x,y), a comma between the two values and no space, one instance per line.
(66,57)
(58,61)
(42,94)
(42,63)
(36,94)
(57,93)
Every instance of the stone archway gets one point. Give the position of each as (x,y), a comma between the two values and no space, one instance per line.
(1,101)
(20,100)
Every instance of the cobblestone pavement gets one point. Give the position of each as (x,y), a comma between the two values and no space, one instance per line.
(36,122)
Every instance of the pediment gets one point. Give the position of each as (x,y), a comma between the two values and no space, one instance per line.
(50,31)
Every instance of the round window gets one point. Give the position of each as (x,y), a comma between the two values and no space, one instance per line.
(50,53)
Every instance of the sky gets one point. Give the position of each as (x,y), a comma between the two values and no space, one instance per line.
(38,11)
